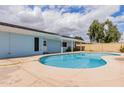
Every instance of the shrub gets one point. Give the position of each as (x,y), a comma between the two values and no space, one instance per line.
(122,49)
(68,49)
(76,49)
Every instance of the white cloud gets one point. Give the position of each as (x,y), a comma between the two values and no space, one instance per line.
(119,21)
(76,23)
(53,21)
(30,16)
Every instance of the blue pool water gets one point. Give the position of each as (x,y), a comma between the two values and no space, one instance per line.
(79,60)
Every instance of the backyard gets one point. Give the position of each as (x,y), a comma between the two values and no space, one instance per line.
(78,46)
(27,71)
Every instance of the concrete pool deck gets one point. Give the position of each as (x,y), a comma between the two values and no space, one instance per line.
(28,72)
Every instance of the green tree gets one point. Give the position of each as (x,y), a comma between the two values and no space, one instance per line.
(112,33)
(103,32)
(95,32)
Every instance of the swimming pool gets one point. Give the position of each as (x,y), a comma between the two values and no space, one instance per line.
(77,60)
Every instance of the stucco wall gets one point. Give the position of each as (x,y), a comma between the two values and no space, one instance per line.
(4,44)
(12,45)
(68,45)
(53,45)
(105,47)
(23,45)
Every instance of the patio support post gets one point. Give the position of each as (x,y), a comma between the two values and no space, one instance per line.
(61,45)
(80,46)
(42,45)
(72,44)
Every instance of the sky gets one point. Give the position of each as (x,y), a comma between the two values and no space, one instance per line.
(65,20)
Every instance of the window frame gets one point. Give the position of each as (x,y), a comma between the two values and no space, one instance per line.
(36,44)
(45,43)
(64,44)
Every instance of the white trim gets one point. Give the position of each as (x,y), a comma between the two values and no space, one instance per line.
(62,50)
(72,46)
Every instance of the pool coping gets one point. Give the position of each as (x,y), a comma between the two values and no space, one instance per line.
(103,57)
(111,74)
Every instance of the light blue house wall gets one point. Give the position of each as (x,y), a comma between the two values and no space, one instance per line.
(12,45)
(68,45)
(19,41)
(53,45)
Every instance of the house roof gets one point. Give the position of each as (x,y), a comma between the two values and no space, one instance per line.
(27,28)
(32,29)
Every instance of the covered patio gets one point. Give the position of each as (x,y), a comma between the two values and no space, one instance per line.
(72,43)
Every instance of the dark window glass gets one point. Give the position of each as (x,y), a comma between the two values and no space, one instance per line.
(64,44)
(36,44)
(44,43)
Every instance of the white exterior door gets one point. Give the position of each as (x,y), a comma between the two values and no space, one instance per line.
(4,44)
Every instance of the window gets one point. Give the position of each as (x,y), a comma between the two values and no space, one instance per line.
(44,43)
(64,44)
(36,44)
